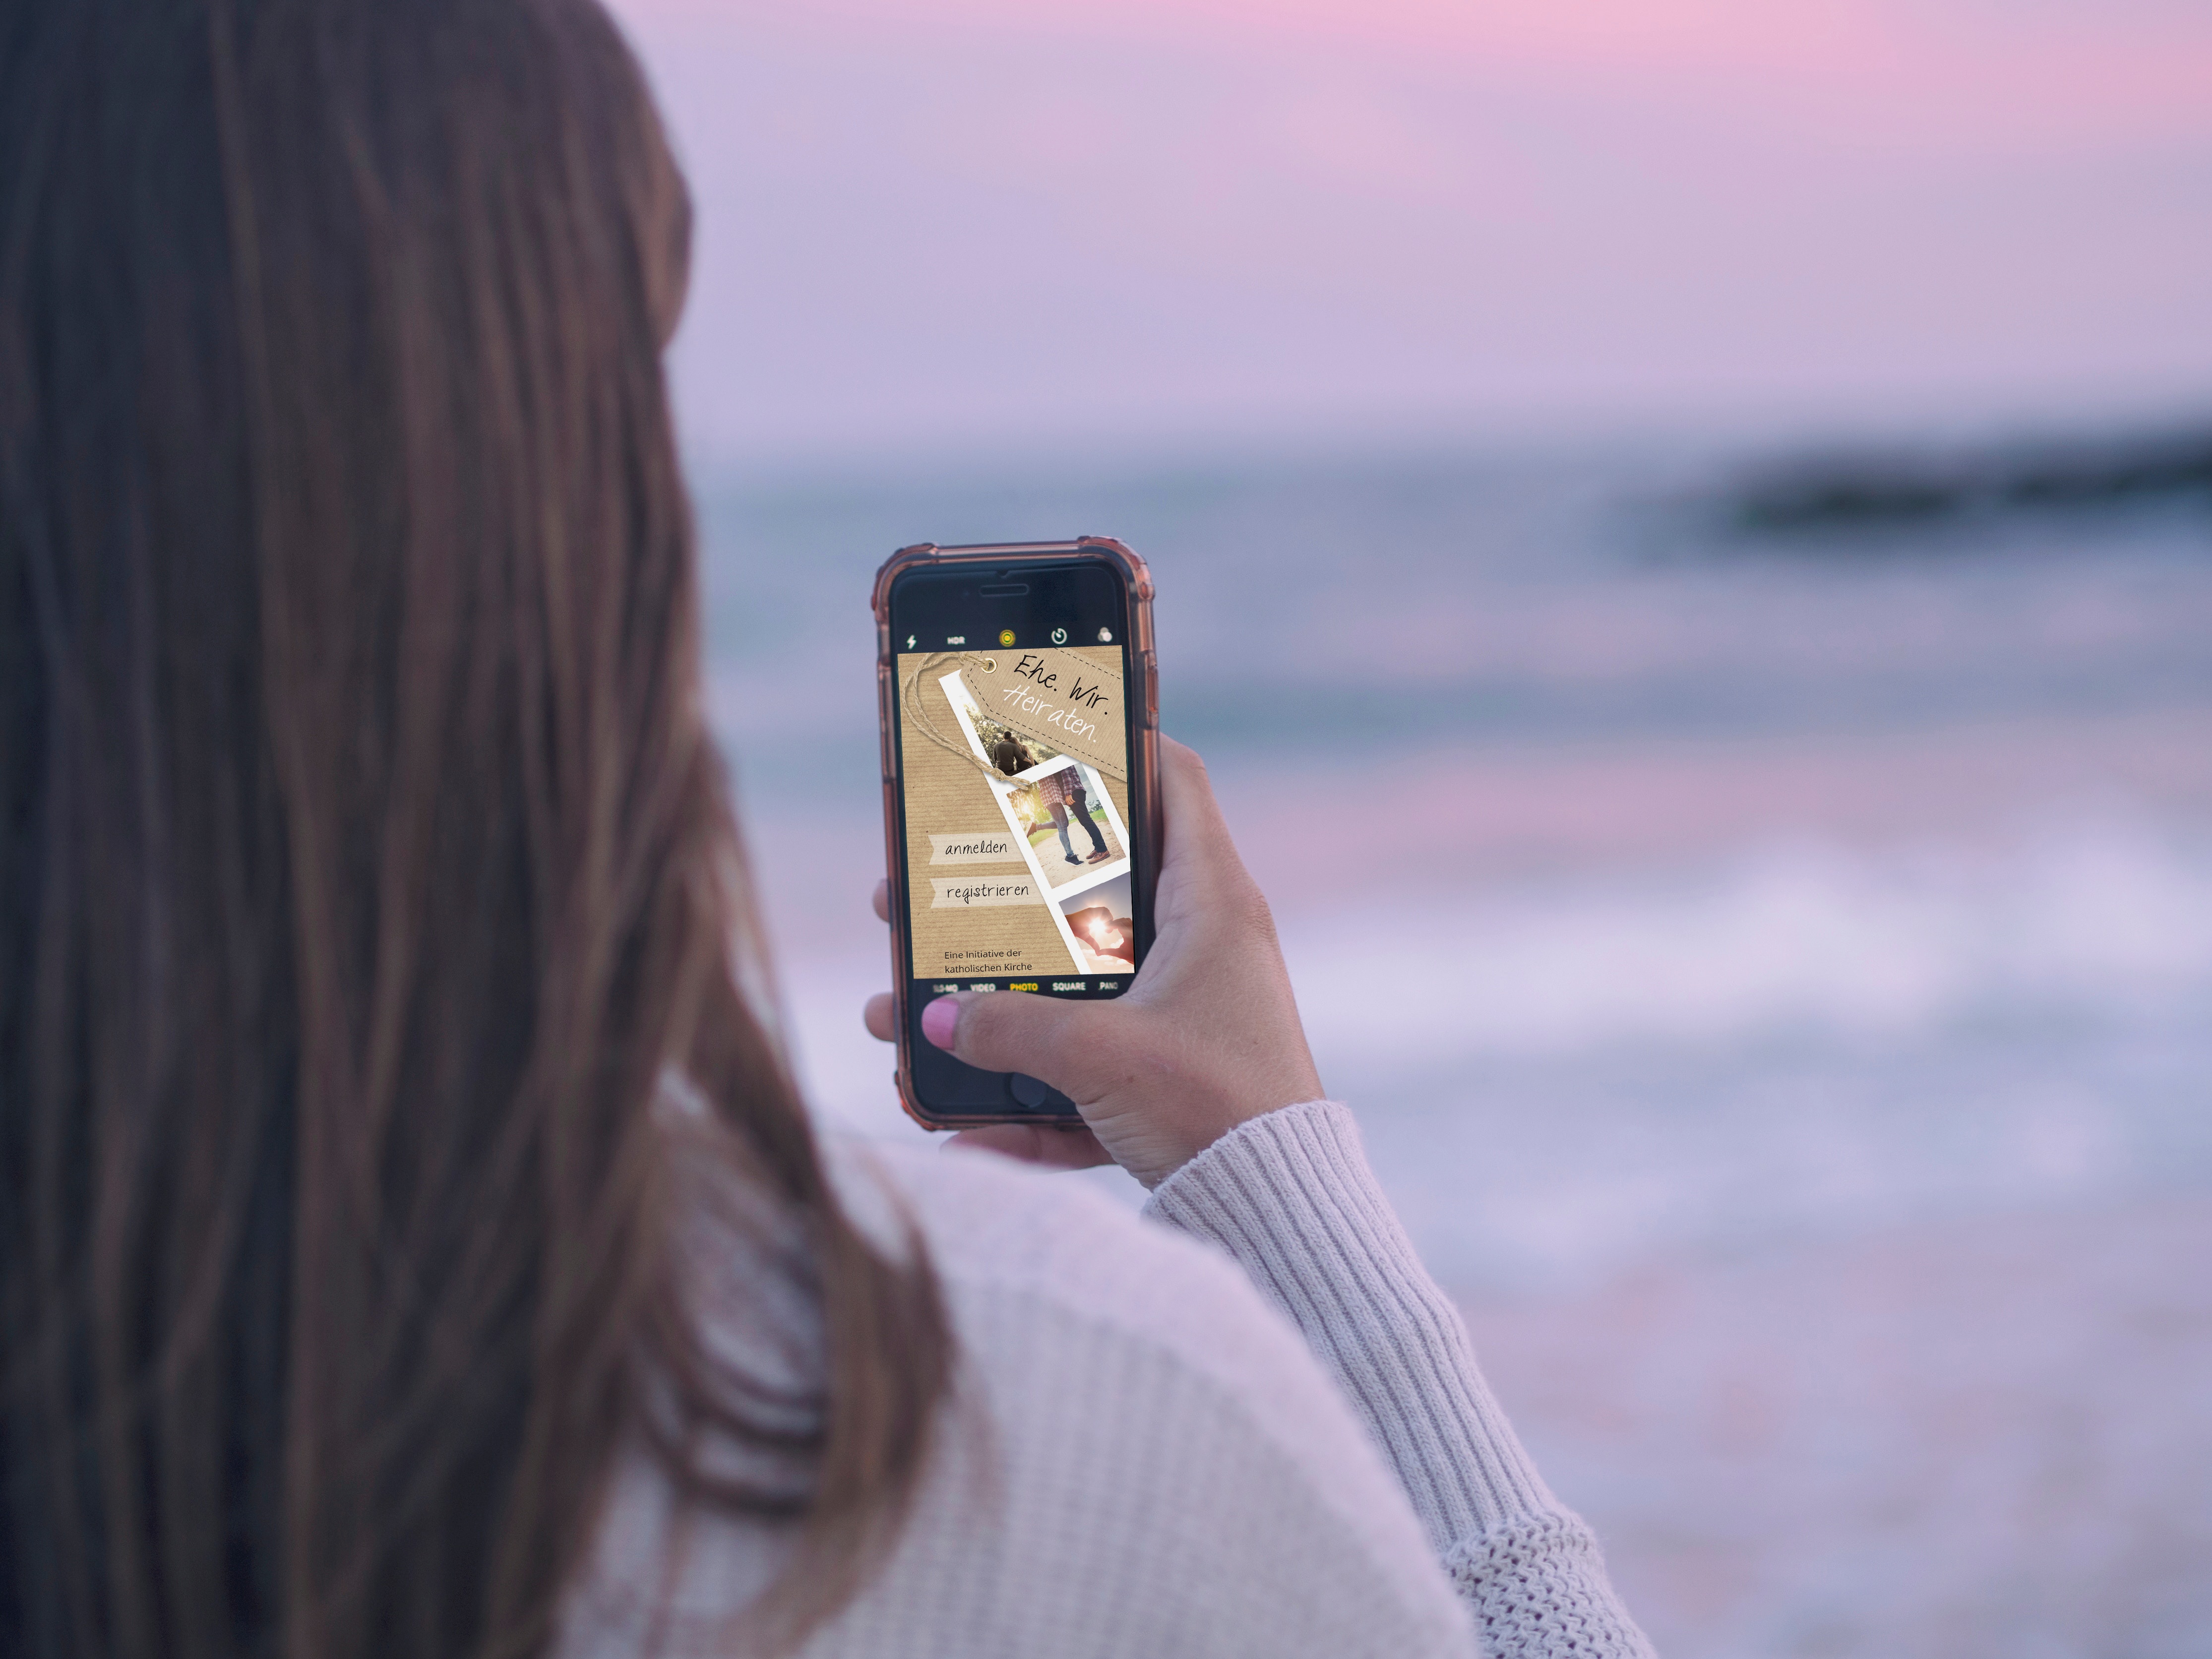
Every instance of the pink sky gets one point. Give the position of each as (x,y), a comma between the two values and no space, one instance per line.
(977,224)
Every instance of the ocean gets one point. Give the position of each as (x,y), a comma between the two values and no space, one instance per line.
(1770,966)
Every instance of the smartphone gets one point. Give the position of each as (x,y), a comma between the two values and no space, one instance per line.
(1020,707)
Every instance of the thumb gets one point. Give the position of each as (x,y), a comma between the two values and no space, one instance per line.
(1052,1039)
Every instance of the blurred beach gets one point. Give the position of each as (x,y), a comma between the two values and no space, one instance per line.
(1770,968)
(1684,531)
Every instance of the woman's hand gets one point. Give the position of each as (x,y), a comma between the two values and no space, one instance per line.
(1206,1037)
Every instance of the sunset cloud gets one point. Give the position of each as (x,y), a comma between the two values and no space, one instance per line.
(1217,213)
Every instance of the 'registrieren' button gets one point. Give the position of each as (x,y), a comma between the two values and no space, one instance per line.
(1026,1090)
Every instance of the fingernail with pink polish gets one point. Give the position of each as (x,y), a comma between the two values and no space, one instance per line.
(939,1019)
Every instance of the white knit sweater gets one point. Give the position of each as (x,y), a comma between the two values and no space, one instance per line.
(1143,1456)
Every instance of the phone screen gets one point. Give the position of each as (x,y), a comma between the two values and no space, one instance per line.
(1012,706)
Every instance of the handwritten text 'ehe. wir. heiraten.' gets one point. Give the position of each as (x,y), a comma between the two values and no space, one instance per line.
(1081,698)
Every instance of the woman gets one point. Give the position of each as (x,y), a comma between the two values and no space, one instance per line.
(410,1240)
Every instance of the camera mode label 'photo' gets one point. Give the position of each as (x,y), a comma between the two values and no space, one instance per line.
(1017,785)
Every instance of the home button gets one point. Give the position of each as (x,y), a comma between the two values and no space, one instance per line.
(1026,1090)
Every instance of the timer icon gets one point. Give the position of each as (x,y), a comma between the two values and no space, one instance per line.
(1060,636)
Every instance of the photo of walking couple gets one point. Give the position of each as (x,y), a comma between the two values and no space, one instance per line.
(1008,750)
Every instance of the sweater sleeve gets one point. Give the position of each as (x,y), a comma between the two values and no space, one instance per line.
(1289,1196)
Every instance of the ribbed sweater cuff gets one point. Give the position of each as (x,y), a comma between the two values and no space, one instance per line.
(1290,1197)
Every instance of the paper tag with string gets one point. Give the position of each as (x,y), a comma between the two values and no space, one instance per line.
(1059,701)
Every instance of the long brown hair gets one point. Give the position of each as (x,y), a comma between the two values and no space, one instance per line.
(367,886)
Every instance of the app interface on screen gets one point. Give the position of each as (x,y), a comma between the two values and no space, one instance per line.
(1016,780)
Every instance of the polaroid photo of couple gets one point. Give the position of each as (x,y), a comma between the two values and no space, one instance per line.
(1070,833)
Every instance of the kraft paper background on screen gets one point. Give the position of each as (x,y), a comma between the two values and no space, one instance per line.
(1016,779)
